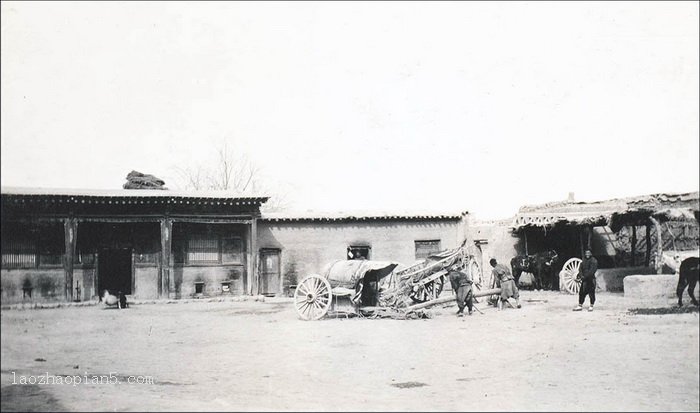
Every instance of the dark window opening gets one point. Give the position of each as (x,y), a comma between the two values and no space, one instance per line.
(424,249)
(358,253)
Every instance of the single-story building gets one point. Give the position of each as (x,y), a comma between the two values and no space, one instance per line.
(294,245)
(70,245)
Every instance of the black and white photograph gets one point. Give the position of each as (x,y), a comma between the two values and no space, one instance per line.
(330,206)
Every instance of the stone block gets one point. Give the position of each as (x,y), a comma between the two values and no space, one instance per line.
(654,290)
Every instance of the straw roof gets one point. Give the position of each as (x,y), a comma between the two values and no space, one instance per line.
(614,212)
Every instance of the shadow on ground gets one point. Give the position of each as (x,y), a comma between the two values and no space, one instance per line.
(28,398)
(664,310)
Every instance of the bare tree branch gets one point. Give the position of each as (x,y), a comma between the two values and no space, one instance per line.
(230,173)
(191,178)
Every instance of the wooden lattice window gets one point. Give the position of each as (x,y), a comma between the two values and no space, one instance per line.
(32,247)
(204,245)
(203,250)
(86,258)
(51,246)
(18,253)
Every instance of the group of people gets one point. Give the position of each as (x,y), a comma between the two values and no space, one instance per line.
(462,285)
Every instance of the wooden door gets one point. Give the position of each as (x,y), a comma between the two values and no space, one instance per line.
(270,277)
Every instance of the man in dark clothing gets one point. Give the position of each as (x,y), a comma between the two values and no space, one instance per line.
(586,274)
(462,286)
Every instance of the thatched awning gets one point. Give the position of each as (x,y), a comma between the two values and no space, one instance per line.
(615,213)
(545,220)
(567,213)
(640,216)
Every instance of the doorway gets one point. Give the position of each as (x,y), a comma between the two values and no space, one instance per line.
(115,270)
(270,282)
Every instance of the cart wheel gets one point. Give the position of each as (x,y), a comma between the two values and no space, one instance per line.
(568,275)
(475,274)
(429,291)
(312,297)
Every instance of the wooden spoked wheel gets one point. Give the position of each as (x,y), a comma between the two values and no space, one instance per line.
(429,291)
(312,298)
(475,274)
(568,275)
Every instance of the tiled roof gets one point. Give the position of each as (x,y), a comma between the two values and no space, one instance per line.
(155,195)
(361,216)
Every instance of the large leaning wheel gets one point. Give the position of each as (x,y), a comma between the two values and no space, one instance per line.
(475,274)
(429,291)
(568,275)
(312,298)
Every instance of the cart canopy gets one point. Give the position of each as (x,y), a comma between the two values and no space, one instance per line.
(347,273)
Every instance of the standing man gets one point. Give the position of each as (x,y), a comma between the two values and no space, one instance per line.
(502,275)
(587,276)
(462,286)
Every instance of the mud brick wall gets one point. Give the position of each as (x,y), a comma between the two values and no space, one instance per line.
(502,245)
(184,278)
(47,285)
(145,283)
(612,279)
(306,247)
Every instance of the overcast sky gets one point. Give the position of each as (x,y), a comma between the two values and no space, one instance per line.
(355,106)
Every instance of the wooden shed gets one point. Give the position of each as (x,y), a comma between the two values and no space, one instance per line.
(623,232)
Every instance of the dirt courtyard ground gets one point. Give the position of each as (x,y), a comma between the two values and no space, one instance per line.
(256,356)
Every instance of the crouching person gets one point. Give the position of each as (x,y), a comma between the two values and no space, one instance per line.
(509,290)
(462,286)
(111,300)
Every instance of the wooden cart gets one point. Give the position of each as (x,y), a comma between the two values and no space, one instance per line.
(356,286)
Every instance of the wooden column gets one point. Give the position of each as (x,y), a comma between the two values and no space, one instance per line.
(658,263)
(250,265)
(647,258)
(525,233)
(589,237)
(70,226)
(634,244)
(254,255)
(166,237)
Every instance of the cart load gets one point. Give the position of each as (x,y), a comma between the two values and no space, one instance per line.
(368,286)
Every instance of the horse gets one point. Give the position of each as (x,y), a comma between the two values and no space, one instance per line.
(688,276)
(520,264)
(540,265)
(544,266)
(686,265)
